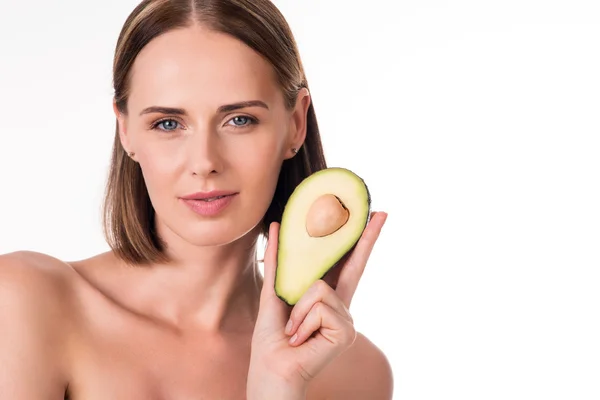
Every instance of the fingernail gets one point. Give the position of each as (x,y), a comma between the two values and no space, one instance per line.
(293,339)
(288,327)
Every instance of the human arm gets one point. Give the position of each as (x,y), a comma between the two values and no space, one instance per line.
(320,318)
(30,338)
(363,372)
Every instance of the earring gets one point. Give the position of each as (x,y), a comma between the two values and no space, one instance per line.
(131,154)
(294,150)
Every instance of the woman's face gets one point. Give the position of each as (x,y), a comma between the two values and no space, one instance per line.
(205,114)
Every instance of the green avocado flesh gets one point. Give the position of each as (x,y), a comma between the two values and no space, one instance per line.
(303,259)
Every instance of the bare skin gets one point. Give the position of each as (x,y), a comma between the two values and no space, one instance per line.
(181,330)
(80,325)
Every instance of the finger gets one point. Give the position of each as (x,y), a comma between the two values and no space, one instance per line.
(270,263)
(355,266)
(270,303)
(319,291)
(332,276)
(323,319)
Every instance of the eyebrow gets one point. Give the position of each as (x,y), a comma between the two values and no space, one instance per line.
(222,109)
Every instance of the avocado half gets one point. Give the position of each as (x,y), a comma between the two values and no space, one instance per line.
(302,258)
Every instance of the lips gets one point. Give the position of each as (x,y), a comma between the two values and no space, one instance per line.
(209,196)
(209,204)
(208,200)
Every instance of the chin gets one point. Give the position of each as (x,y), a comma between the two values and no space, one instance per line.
(220,231)
(239,221)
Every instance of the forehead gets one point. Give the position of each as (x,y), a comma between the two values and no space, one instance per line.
(196,67)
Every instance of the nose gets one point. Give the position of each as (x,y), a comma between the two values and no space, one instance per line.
(204,153)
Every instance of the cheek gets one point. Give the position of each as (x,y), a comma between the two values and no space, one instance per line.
(258,165)
(159,164)
(262,154)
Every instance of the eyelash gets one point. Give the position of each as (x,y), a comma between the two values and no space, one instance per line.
(251,121)
(160,121)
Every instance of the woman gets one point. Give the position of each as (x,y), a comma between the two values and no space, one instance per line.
(215,127)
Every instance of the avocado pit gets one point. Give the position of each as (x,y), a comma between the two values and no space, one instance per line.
(326,215)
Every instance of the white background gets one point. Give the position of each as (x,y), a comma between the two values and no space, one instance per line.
(475,124)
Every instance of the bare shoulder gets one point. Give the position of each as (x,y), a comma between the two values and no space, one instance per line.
(23,262)
(362,372)
(34,292)
(33,278)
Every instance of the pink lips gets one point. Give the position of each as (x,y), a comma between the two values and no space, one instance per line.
(209,204)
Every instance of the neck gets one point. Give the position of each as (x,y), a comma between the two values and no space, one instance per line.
(211,289)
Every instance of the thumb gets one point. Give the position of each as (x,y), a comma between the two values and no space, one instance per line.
(270,264)
(268,297)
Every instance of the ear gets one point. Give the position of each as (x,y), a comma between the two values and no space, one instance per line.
(122,128)
(298,124)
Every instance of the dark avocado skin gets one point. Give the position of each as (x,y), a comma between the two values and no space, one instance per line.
(343,255)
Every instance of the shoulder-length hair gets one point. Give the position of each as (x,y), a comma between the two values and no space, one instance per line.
(128,215)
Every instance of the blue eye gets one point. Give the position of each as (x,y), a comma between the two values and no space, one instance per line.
(167,125)
(241,121)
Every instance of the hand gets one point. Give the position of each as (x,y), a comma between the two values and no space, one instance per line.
(319,326)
